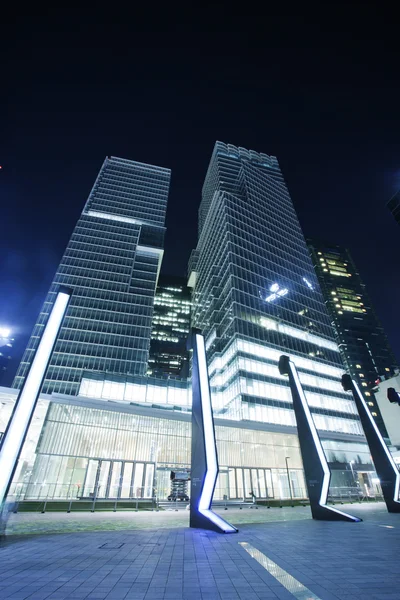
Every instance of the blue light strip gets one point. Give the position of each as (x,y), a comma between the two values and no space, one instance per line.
(204,506)
(317,442)
(382,441)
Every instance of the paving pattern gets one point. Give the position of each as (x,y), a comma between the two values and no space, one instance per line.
(333,561)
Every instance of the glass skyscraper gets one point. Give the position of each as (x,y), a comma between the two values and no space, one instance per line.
(362,341)
(171,322)
(111,262)
(256,296)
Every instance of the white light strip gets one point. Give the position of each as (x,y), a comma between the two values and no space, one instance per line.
(300,334)
(317,442)
(25,405)
(294,586)
(382,441)
(209,441)
(111,217)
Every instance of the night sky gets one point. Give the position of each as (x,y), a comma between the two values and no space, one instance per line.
(320,92)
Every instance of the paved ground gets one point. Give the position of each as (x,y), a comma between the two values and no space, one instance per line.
(313,559)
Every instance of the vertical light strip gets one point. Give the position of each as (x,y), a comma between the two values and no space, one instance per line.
(382,441)
(204,506)
(22,414)
(294,586)
(317,442)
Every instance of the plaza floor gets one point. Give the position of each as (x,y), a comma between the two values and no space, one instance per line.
(284,555)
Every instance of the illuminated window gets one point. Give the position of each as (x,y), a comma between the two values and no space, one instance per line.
(361,375)
(374,414)
(333,293)
(370,403)
(367,394)
(320,253)
(340,312)
(386,369)
(364,384)
(326,270)
(337,305)
(358,366)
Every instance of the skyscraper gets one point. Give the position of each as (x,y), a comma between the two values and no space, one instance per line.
(111,262)
(256,297)
(363,344)
(171,322)
(394,206)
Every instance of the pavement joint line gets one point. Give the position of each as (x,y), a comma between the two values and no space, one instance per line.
(289,582)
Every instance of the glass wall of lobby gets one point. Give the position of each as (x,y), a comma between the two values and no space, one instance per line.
(96,449)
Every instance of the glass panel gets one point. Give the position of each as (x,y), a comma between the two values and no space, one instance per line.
(247,483)
(232,483)
(270,487)
(239,479)
(254,481)
(126,480)
(261,482)
(90,478)
(115,480)
(138,481)
(103,479)
(221,488)
(148,486)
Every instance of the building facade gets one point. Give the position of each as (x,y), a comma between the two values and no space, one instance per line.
(362,342)
(111,262)
(390,411)
(171,322)
(256,296)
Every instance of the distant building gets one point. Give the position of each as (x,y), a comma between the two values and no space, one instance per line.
(394,206)
(171,321)
(363,344)
(6,343)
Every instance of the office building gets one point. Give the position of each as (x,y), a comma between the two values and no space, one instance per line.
(111,262)
(255,297)
(394,206)
(171,322)
(362,342)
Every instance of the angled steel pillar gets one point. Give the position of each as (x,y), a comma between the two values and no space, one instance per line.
(17,428)
(316,469)
(385,466)
(204,466)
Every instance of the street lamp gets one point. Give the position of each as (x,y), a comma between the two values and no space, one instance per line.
(288,477)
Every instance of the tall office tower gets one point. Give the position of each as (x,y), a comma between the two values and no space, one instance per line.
(394,206)
(256,296)
(171,322)
(363,344)
(111,262)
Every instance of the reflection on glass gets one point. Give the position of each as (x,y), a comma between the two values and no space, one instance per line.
(90,481)
(148,486)
(115,480)
(126,491)
(103,479)
(138,481)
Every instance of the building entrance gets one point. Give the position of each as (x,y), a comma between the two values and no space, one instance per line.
(118,479)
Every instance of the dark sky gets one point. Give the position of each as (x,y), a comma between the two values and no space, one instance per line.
(319,91)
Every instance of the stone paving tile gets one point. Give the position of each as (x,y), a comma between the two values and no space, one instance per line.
(336,561)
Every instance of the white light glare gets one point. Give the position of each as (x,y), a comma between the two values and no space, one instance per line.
(276,292)
(308,284)
(5,333)
(209,441)
(15,434)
